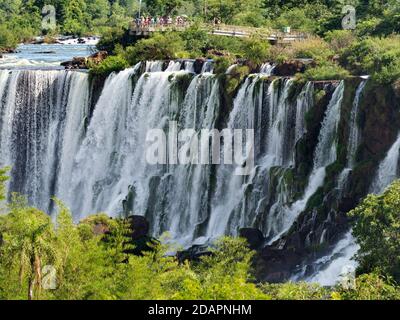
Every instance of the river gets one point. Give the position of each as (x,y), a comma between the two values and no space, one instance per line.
(44,56)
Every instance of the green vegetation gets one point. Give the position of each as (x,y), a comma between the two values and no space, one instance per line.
(109,65)
(370,49)
(326,72)
(379,57)
(377,232)
(91,260)
(167,46)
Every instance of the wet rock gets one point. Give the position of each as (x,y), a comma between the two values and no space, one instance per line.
(98,57)
(83,63)
(275,265)
(254,237)
(100,224)
(75,63)
(290,68)
(6,51)
(194,253)
(45,52)
(140,227)
(198,65)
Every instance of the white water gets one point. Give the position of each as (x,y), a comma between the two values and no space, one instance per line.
(388,169)
(92,168)
(267,69)
(353,140)
(34,126)
(325,155)
(332,265)
(354,135)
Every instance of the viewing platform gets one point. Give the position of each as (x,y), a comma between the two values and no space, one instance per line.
(273,36)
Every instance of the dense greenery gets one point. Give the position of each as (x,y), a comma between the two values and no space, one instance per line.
(377,231)
(362,51)
(93,264)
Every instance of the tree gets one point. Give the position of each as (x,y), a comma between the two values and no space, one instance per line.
(163,7)
(377,231)
(159,47)
(256,49)
(75,17)
(27,246)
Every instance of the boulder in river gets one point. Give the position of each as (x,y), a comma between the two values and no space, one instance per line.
(83,63)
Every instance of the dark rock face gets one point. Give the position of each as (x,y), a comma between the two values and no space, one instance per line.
(139,226)
(324,221)
(141,240)
(194,253)
(76,63)
(290,68)
(198,65)
(275,265)
(254,237)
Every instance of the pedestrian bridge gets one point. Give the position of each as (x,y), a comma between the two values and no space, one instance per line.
(274,36)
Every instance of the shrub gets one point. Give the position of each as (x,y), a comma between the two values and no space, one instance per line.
(369,287)
(297,19)
(221,64)
(109,65)
(339,40)
(325,72)
(256,50)
(109,39)
(378,57)
(295,291)
(196,40)
(376,230)
(7,38)
(314,48)
(167,46)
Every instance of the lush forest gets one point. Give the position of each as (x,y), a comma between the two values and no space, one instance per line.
(337,53)
(21,19)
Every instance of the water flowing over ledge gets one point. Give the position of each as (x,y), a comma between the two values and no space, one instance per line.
(93,159)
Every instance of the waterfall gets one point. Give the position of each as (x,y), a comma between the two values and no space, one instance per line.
(388,169)
(332,265)
(325,154)
(154,66)
(93,157)
(36,119)
(95,161)
(354,135)
(353,140)
(208,67)
(267,69)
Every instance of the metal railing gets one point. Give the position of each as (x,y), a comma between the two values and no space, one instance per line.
(223,30)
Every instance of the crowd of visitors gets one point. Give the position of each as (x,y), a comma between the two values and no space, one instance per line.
(148,21)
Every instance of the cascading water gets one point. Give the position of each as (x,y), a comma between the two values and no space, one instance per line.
(43,114)
(95,160)
(325,155)
(267,69)
(388,169)
(353,140)
(331,266)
